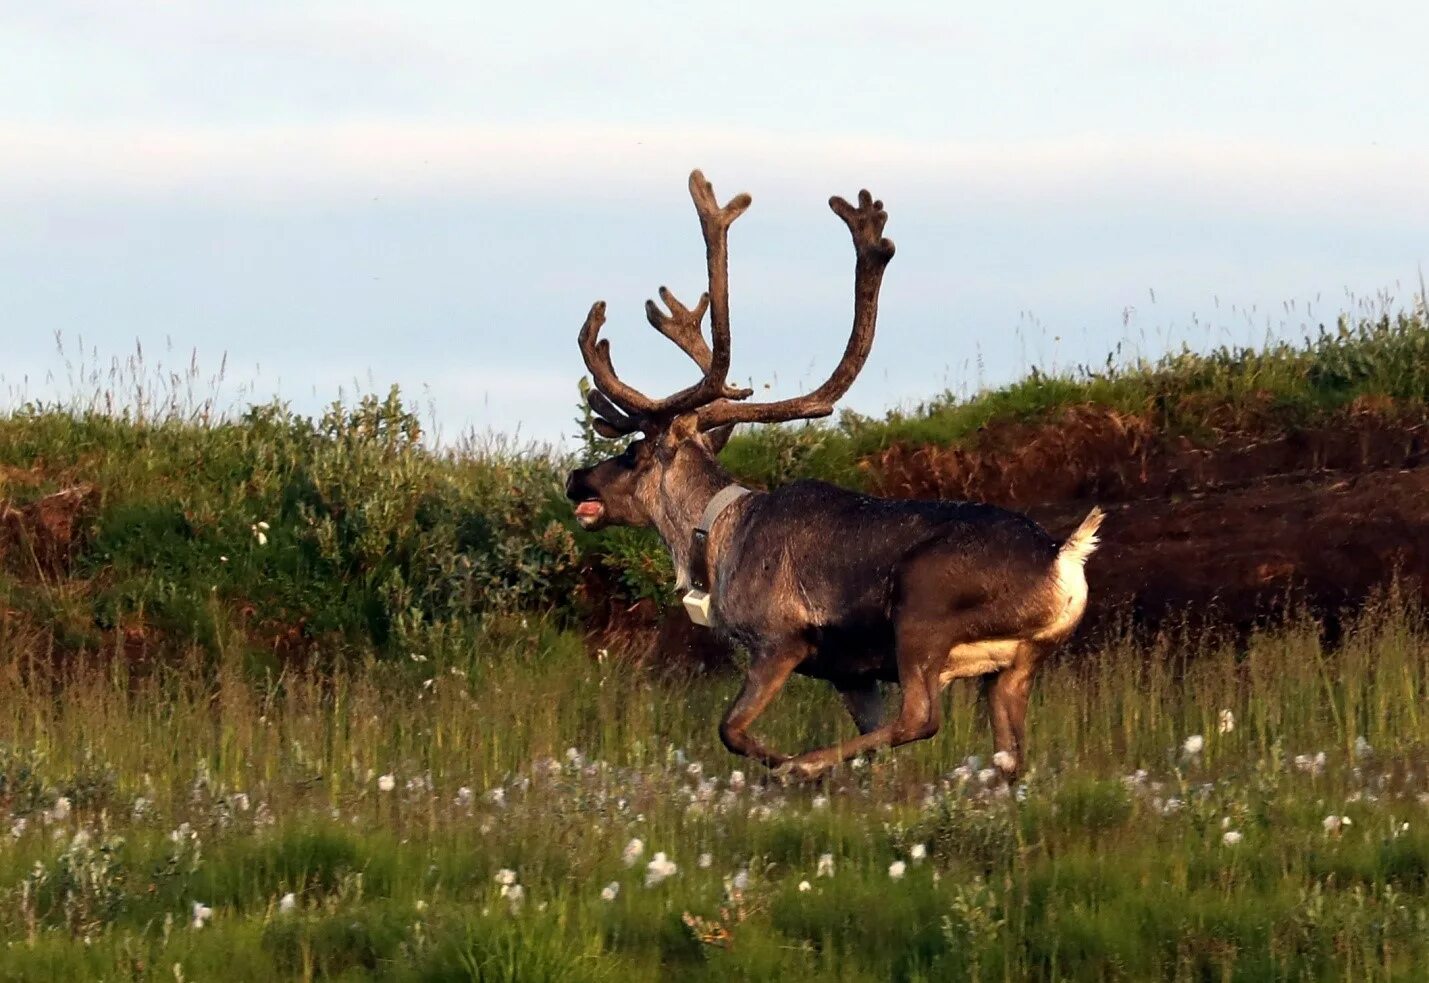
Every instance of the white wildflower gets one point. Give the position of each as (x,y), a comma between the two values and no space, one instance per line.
(659,868)
(987,776)
(1362,747)
(632,851)
(820,801)
(961,774)
(1333,824)
(740,880)
(464,797)
(1225,722)
(826,865)
(505,877)
(239,801)
(260,533)
(1231,837)
(736,780)
(609,892)
(61,810)
(918,852)
(386,783)
(859,763)
(288,903)
(496,796)
(420,905)
(1193,745)
(17,828)
(805,886)
(694,769)
(897,869)
(202,913)
(514,894)
(704,861)
(1004,761)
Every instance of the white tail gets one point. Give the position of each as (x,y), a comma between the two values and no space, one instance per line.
(1082,543)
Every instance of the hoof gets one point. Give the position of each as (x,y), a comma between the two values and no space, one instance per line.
(792,772)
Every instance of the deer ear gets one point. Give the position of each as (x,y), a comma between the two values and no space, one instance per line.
(716,439)
(684,426)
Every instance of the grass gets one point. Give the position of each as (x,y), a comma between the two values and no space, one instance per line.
(132,799)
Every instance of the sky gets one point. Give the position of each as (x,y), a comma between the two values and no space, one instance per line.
(329,198)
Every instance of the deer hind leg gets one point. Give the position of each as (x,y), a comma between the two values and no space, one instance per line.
(1007,706)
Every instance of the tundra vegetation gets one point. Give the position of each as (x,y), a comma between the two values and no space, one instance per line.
(288,697)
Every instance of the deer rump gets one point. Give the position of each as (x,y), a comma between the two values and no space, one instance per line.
(836,566)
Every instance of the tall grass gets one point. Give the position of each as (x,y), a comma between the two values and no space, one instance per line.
(131,800)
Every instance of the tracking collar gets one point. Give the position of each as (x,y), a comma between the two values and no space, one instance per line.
(697,600)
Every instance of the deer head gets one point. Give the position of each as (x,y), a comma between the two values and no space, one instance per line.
(660,476)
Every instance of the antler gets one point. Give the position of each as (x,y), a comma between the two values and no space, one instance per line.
(626,409)
(865,223)
(622,409)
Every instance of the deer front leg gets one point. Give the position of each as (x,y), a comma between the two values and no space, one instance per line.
(864,704)
(767,674)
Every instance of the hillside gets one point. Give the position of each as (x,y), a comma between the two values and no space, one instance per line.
(1238,481)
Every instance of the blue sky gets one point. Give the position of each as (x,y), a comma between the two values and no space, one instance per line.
(432,194)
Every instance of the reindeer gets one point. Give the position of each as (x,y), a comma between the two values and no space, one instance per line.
(810,577)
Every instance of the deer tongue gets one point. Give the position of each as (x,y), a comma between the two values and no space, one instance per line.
(591,508)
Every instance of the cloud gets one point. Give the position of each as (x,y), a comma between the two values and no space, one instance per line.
(553,162)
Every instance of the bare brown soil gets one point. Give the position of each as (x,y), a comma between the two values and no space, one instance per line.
(46,533)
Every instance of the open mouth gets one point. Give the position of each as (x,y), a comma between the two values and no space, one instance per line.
(590,512)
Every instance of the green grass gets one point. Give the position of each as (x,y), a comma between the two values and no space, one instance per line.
(227,790)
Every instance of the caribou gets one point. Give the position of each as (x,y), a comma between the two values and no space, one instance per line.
(810,577)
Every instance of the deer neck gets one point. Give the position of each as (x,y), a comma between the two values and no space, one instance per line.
(681,510)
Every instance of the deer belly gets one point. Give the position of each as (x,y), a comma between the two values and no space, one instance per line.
(978,658)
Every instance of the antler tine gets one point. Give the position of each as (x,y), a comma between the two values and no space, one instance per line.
(682,325)
(865,223)
(714,223)
(611,421)
(596,353)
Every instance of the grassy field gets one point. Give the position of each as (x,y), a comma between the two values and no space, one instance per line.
(501,807)
(309,699)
